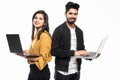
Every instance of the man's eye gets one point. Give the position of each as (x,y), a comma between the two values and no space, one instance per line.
(70,13)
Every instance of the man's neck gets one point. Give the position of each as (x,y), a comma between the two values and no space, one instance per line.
(72,26)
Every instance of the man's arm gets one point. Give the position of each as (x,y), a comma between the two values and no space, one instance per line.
(56,43)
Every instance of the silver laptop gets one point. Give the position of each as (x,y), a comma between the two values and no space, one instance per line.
(93,55)
(15,46)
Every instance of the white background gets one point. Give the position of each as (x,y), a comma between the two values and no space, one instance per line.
(97,18)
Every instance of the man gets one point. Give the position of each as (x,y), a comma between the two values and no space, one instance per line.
(67,43)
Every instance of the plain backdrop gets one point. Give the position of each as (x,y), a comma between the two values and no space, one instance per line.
(97,19)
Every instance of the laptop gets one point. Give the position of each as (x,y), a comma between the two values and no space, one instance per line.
(15,46)
(93,55)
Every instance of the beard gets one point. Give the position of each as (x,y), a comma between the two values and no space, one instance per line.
(71,20)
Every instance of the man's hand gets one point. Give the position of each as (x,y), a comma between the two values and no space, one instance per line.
(81,53)
(98,55)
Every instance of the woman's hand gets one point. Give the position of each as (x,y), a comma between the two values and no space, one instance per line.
(33,59)
(25,51)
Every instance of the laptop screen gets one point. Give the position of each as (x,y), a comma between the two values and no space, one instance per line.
(14,43)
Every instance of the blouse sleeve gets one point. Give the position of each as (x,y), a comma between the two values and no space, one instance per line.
(45,50)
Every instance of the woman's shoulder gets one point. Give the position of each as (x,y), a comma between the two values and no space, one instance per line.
(45,34)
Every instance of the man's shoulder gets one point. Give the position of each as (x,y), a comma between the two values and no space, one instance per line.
(77,28)
(60,27)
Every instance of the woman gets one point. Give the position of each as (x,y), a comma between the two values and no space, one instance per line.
(41,45)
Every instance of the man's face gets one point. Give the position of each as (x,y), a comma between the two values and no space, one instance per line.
(71,15)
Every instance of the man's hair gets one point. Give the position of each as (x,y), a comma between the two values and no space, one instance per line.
(70,5)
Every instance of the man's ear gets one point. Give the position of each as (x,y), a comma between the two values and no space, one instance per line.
(65,13)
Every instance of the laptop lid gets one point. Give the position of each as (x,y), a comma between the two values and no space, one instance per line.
(14,43)
(102,44)
(99,50)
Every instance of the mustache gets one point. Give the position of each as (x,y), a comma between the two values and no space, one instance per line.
(73,18)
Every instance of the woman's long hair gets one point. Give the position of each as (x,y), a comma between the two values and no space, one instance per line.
(44,27)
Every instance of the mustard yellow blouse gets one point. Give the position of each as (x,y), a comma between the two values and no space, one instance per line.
(43,48)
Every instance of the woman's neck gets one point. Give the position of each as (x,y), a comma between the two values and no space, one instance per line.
(38,29)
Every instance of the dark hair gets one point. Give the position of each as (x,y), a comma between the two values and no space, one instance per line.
(45,26)
(71,5)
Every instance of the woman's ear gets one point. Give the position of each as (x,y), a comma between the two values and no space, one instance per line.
(44,24)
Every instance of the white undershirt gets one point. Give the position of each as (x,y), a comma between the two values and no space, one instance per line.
(72,64)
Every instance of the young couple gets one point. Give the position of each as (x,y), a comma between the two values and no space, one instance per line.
(66,42)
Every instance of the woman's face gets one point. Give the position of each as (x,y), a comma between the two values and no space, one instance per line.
(38,20)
